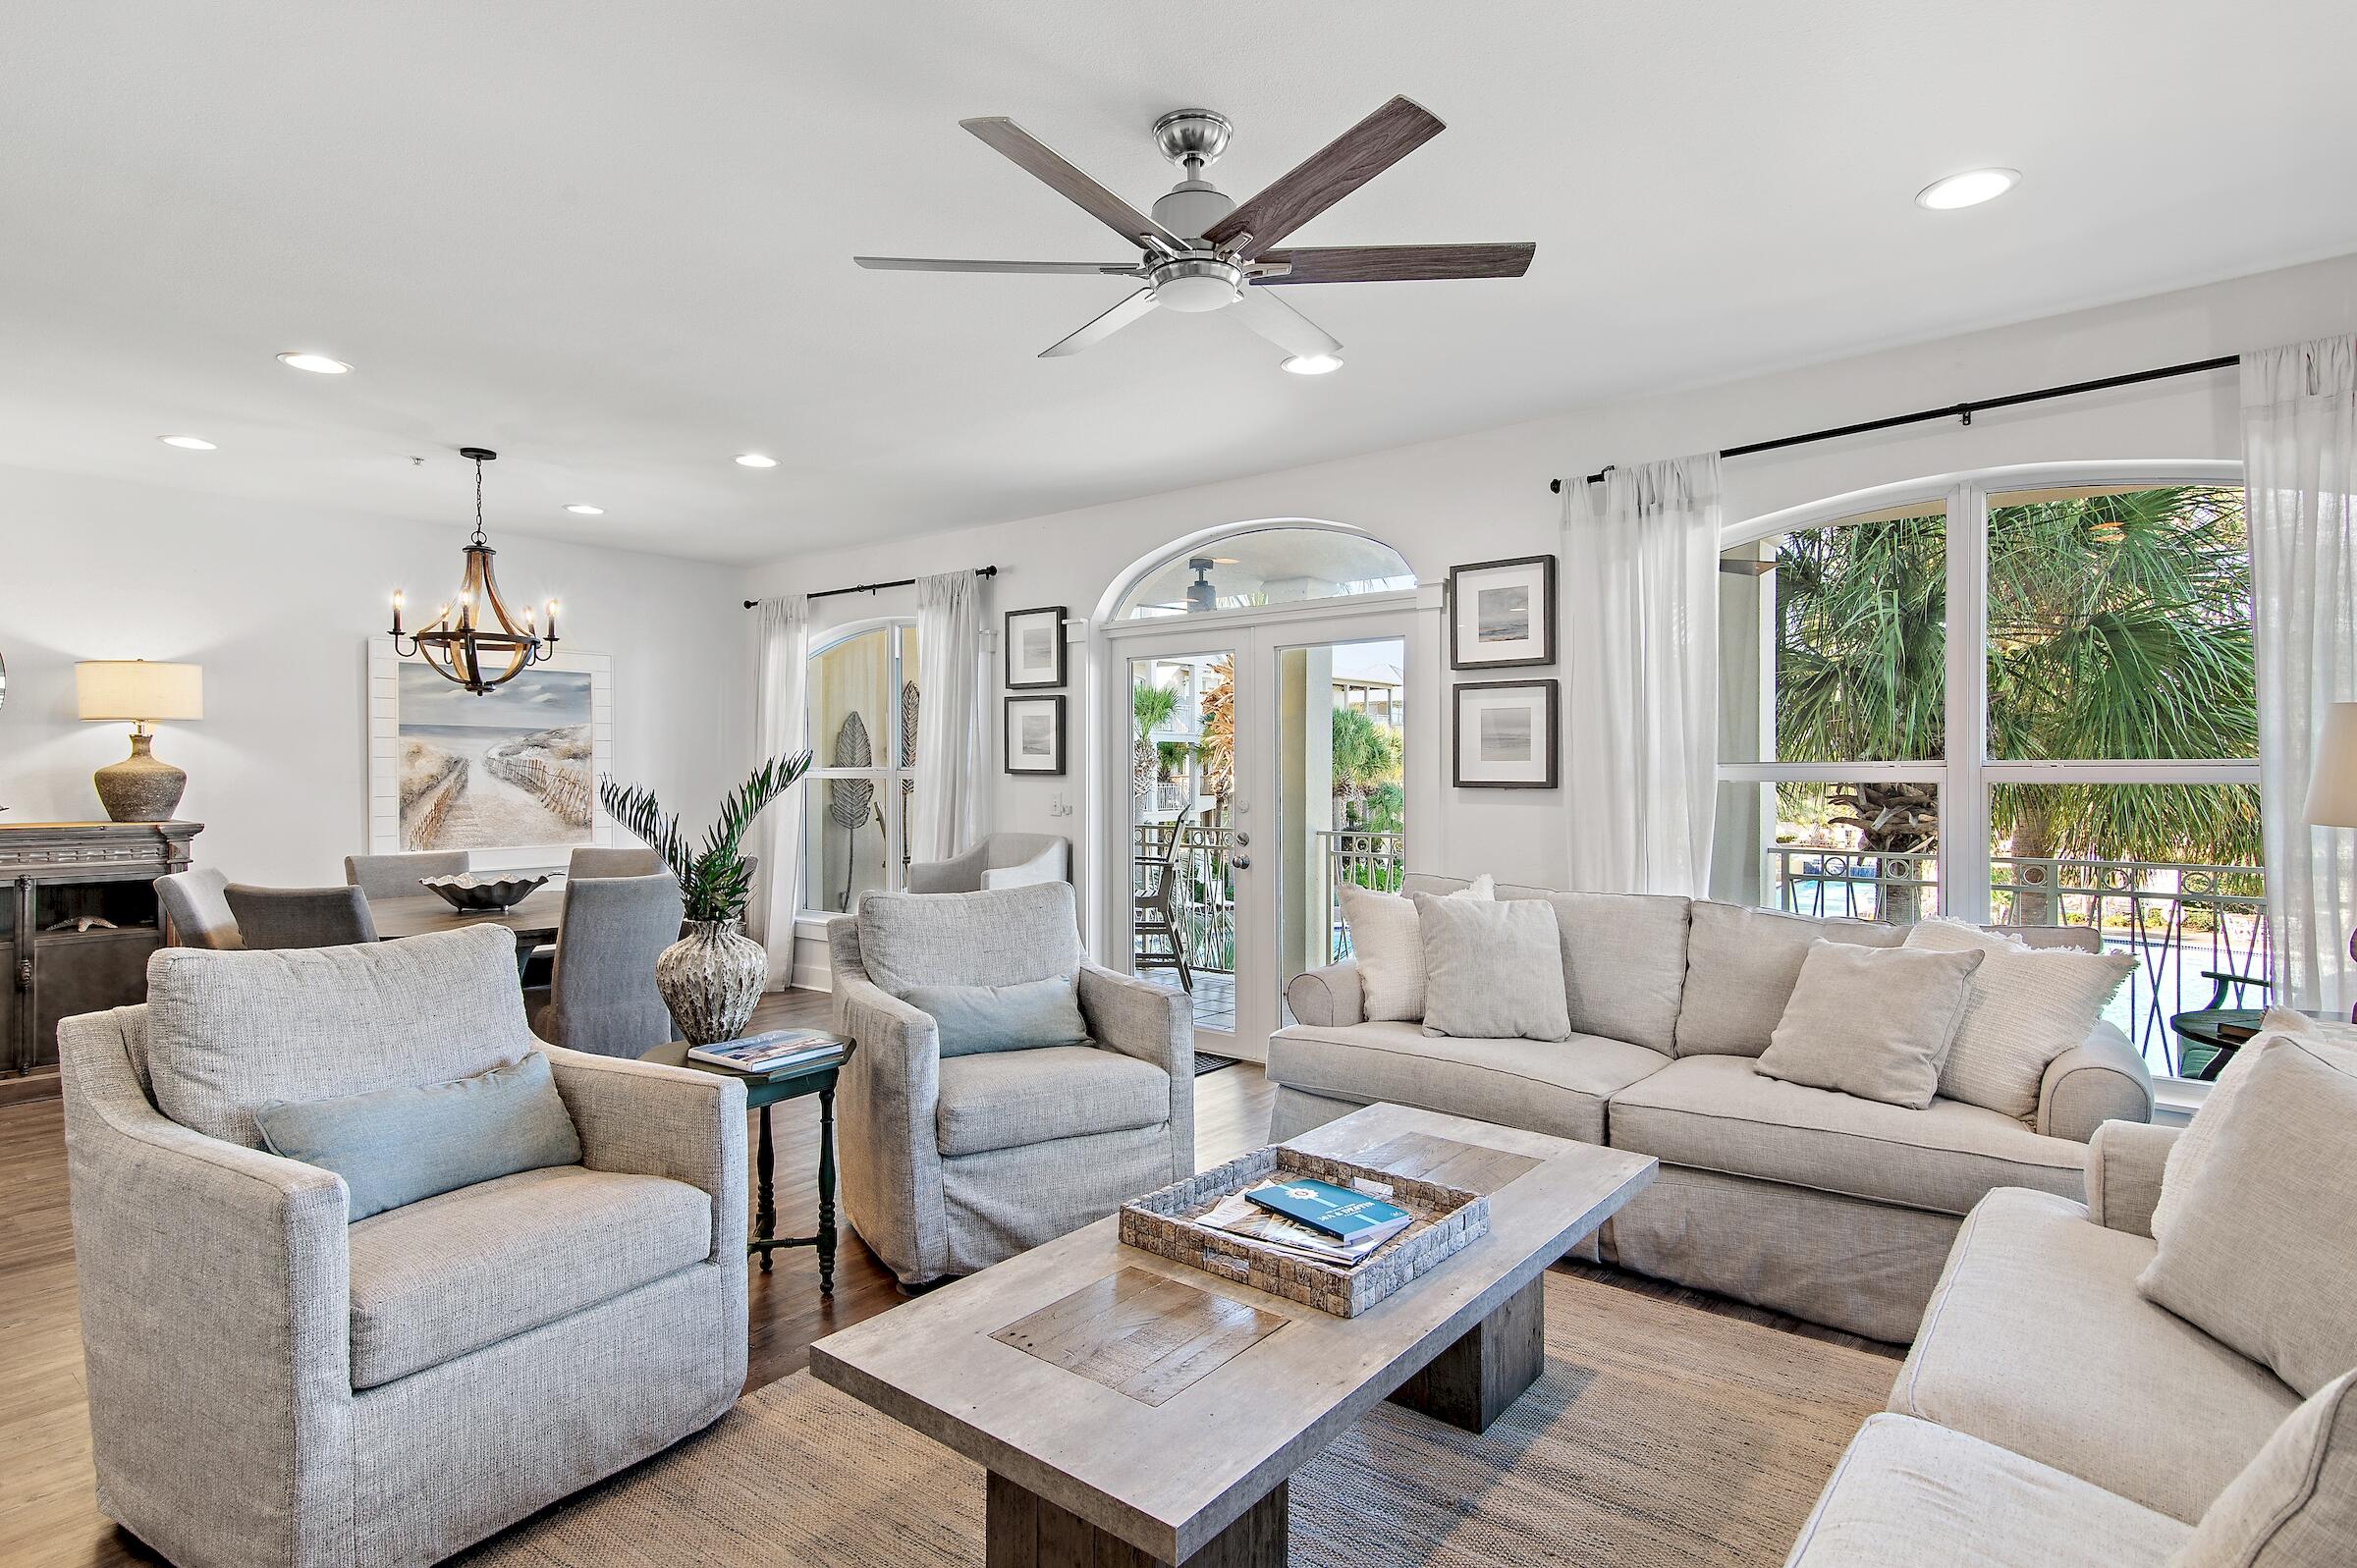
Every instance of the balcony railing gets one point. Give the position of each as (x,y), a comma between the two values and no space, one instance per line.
(2176,920)
(1203,900)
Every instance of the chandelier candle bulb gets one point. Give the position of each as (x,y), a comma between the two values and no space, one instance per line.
(397,612)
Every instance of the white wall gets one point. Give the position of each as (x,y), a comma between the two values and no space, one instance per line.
(1485,496)
(277,603)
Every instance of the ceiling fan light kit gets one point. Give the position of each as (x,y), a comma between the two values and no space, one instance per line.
(1201,253)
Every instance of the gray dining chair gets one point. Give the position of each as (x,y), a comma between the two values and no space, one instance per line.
(613,863)
(300,917)
(602,997)
(396,876)
(195,914)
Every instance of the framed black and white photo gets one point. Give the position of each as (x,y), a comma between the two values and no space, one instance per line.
(1035,735)
(1504,734)
(1035,649)
(1502,613)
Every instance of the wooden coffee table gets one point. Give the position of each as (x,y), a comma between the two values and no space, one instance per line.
(1132,1410)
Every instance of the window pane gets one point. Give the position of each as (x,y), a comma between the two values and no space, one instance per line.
(851,712)
(1856,851)
(1833,643)
(1267,567)
(2169,873)
(2119,625)
(843,841)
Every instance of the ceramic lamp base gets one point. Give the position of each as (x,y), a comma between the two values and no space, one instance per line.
(141,787)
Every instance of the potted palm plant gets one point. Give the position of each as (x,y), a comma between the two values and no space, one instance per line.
(712,977)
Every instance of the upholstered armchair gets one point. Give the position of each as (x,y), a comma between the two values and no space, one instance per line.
(272,1384)
(951,1165)
(999,860)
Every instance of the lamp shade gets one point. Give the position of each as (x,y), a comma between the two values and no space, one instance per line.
(2332,789)
(135,690)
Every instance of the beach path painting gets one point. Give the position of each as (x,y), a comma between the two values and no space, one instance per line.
(514,766)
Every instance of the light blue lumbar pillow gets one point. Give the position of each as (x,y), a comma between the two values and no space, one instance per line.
(1018,1017)
(394,1145)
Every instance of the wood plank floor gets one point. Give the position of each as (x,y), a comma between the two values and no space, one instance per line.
(48,1518)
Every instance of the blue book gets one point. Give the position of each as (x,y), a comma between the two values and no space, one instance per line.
(1336,1210)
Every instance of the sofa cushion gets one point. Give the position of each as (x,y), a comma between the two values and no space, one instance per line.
(1011,1099)
(2028,1007)
(1874,1022)
(437,1279)
(2191,1152)
(2295,1505)
(1723,1114)
(1386,938)
(1492,970)
(229,1032)
(1909,1495)
(1625,963)
(1558,1087)
(2036,1340)
(1740,968)
(1001,938)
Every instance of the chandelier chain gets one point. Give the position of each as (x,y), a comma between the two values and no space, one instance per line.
(478,501)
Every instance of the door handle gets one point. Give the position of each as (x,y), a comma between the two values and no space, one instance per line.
(1244,840)
(1240,862)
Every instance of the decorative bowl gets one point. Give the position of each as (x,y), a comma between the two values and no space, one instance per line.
(471,894)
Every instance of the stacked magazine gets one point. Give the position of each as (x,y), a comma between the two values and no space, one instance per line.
(1313,1220)
(771,1053)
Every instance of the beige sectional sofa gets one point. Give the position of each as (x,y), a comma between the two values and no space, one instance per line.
(2049,1414)
(1837,1210)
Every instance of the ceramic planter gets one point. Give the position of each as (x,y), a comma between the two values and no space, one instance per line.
(710,979)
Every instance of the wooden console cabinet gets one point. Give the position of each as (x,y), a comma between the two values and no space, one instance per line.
(58,875)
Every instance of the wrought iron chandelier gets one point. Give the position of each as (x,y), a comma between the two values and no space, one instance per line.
(472,639)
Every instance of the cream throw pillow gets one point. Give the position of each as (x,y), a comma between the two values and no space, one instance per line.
(1384,940)
(2028,1007)
(2261,1254)
(2295,1503)
(2335,1043)
(1873,1022)
(1495,970)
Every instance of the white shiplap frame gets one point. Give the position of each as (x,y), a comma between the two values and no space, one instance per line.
(384,751)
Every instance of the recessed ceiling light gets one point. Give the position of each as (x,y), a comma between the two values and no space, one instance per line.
(1313,365)
(1967,189)
(191,443)
(754,460)
(318,364)
(586,510)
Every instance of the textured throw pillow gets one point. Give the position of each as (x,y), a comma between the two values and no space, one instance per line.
(1741,965)
(1384,940)
(1000,938)
(394,1145)
(2261,1254)
(1493,971)
(2191,1149)
(2295,1503)
(1019,1018)
(2028,1007)
(1873,1022)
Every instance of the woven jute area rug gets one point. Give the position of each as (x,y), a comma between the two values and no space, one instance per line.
(1660,1437)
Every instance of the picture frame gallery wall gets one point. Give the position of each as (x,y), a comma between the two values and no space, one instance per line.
(1035,657)
(1504,734)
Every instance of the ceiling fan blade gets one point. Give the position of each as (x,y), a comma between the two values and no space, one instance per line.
(1399,263)
(1103,327)
(1328,175)
(1289,329)
(1117,269)
(1102,204)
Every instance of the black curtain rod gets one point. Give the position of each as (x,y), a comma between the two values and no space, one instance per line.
(1958,410)
(871,587)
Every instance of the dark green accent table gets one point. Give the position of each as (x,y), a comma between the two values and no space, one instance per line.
(762,1091)
(2221,1031)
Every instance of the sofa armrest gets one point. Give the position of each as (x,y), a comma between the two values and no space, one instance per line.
(648,1121)
(1046,866)
(2100,1079)
(2125,1161)
(216,1301)
(891,1150)
(1329,996)
(1156,1024)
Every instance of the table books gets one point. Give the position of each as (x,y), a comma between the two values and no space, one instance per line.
(773,1051)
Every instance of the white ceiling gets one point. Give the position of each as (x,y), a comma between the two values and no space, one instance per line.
(612,239)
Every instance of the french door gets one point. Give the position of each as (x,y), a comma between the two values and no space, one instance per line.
(1255,761)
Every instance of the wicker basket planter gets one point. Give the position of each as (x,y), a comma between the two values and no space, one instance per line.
(1447,1220)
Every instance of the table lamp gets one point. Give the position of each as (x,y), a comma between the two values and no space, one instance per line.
(2332,789)
(141,787)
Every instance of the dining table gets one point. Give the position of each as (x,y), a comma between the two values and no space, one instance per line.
(535,920)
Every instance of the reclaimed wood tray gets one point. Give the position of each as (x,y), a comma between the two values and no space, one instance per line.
(1447,1220)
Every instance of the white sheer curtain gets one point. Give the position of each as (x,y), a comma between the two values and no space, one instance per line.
(2299,448)
(949,716)
(1641,671)
(780,725)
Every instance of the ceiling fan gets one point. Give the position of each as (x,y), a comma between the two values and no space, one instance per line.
(1201,252)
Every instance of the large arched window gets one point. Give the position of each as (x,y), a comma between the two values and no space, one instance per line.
(2023,697)
(862,706)
(1269,564)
